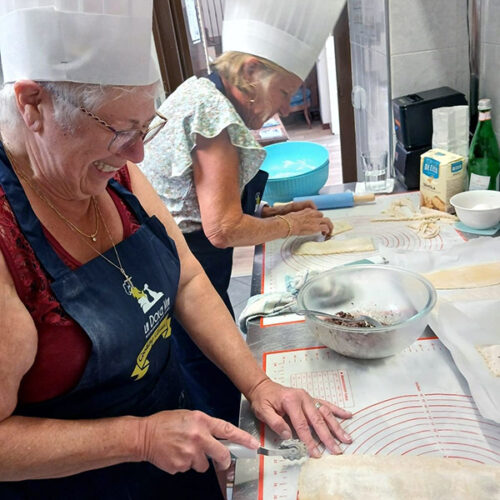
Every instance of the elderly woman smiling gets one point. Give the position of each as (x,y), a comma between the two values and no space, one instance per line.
(92,270)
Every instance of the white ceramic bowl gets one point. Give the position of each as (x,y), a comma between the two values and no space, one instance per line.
(478,209)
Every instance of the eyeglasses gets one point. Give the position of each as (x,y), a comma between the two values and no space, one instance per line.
(125,139)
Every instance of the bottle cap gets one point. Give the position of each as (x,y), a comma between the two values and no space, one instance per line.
(484,105)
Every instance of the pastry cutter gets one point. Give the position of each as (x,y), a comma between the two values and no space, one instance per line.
(291,449)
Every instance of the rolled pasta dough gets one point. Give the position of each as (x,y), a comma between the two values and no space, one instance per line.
(335,246)
(365,477)
(466,277)
(491,355)
(340,226)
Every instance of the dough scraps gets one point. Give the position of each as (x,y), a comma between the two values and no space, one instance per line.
(437,213)
(335,246)
(340,226)
(491,354)
(367,477)
(425,229)
(403,207)
(404,210)
(466,277)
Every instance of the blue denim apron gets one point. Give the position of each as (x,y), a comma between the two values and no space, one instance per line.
(132,369)
(208,387)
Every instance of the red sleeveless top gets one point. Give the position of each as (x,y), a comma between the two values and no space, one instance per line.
(63,347)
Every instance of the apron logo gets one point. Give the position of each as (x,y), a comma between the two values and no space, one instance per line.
(146,297)
(257,201)
(142,363)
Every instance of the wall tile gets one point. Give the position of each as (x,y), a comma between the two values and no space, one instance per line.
(430,69)
(490,21)
(462,76)
(418,25)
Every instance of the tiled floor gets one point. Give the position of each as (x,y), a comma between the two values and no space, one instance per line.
(296,126)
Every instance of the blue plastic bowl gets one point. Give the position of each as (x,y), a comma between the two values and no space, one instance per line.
(295,169)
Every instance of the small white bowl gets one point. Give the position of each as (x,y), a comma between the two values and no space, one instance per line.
(478,209)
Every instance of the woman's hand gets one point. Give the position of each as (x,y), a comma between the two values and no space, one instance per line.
(303,217)
(271,402)
(178,440)
(309,221)
(286,208)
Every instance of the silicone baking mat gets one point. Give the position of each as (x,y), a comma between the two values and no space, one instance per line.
(280,264)
(414,403)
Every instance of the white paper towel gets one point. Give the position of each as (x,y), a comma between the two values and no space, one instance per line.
(450,129)
(462,326)
(463,319)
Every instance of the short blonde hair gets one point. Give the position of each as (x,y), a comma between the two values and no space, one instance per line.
(230,64)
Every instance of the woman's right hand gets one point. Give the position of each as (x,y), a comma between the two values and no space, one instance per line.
(179,440)
(309,221)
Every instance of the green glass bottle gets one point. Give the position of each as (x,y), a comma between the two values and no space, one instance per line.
(484,157)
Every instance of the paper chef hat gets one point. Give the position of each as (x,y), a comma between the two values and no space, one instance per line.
(88,41)
(290,33)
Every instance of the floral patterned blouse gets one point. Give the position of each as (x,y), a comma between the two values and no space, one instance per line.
(196,107)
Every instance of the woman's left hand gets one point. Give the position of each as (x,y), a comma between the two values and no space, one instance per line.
(271,402)
(294,206)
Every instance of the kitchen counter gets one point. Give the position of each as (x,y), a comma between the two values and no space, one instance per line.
(264,340)
(274,338)
(261,340)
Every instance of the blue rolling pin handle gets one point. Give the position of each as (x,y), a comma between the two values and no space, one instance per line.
(328,201)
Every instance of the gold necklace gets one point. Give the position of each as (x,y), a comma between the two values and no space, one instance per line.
(128,279)
(92,236)
(128,285)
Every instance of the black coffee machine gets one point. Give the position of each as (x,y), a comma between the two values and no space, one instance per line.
(413,124)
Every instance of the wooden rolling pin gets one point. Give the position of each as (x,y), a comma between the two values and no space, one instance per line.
(337,200)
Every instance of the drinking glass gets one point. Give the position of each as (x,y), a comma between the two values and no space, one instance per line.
(375,171)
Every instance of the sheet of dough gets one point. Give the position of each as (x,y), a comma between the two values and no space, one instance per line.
(335,246)
(491,354)
(366,477)
(340,226)
(466,277)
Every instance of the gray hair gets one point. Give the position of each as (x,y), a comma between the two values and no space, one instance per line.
(67,97)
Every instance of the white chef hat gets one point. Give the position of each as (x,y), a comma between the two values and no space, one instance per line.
(290,33)
(108,42)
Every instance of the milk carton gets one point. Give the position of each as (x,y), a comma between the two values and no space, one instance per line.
(442,175)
